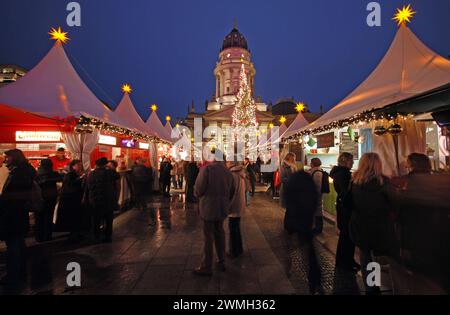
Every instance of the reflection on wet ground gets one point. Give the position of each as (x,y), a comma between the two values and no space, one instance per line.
(155,251)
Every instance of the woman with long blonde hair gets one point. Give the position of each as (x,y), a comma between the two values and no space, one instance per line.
(370,203)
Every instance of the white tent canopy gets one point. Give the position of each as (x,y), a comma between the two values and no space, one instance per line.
(54,89)
(127,112)
(409,68)
(296,125)
(154,124)
(168,128)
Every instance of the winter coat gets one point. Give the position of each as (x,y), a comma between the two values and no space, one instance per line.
(47,179)
(192,173)
(300,195)
(14,220)
(165,170)
(342,177)
(70,209)
(100,188)
(142,178)
(251,173)
(369,222)
(241,186)
(285,173)
(215,189)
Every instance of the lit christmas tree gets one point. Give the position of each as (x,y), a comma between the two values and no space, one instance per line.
(244,115)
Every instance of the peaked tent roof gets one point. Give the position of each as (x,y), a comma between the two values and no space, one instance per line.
(409,68)
(168,128)
(54,89)
(153,123)
(127,112)
(299,122)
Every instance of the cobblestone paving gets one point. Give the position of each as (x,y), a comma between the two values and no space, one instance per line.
(155,251)
(269,217)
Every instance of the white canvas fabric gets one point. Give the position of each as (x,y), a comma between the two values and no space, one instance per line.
(53,89)
(409,68)
(153,123)
(81,146)
(127,112)
(296,125)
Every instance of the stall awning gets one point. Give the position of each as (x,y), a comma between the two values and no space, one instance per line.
(409,68)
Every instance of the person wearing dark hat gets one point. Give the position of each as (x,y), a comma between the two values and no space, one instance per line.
(14,220)
(100,189)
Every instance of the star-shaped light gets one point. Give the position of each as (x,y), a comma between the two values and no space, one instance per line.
(283,119)
(404,15)
(58,35)
(300,107)
(154,107)
(168,118)
(271,125)
(126,88)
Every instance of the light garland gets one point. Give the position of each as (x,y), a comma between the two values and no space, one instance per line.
(361,118)
(87,125)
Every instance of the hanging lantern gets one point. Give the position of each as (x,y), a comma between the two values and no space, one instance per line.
(395,129)
(380,130)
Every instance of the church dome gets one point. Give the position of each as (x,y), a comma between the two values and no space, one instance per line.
(235,39)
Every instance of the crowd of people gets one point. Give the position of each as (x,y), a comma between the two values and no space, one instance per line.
(66,198)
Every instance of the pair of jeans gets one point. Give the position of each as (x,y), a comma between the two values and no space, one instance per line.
(44,221)
(309,256)
(234,225)
(366,257)
(15,260)
(345,251)
(318,225)
(104,218)
(214,234)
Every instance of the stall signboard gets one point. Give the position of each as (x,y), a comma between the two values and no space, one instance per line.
(144,146)
(108,140)
(325,140)
(349,145)
(38,136)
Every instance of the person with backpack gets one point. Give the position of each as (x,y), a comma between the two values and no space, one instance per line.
(321,180)
(14,219)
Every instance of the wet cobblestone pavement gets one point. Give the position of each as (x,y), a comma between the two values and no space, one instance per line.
(155,251)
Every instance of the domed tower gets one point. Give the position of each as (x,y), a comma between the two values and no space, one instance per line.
(233,54)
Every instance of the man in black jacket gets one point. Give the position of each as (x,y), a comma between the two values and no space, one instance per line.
(100,187)
(301,199)
(14,223)
(251,175)
(142,177)
(342,177)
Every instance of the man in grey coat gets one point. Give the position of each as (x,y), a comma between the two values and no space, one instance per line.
(214,188)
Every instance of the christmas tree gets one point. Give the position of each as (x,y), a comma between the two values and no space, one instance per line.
(244,115)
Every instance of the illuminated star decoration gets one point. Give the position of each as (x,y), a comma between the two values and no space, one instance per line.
(154,107)
(283,119)
(404,15)
(300,107)
(58,35)
(126,88)
(271,126)
(168,118)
